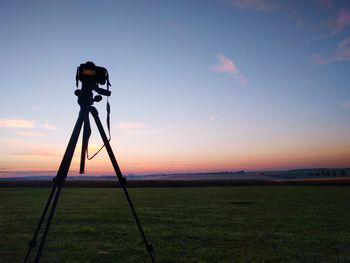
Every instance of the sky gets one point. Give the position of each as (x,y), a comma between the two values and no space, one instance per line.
(196,85)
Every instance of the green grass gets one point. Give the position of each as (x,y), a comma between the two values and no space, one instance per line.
(204,224)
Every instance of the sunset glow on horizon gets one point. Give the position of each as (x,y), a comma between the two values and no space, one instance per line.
(216,86)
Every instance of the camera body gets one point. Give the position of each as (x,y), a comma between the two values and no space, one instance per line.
(90,73)
(91,76)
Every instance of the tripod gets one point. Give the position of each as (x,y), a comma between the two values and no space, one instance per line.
(85,109)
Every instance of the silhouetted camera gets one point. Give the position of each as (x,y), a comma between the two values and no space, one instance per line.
(91,76)
(89,72)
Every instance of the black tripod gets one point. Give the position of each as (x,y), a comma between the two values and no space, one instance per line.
(85,99)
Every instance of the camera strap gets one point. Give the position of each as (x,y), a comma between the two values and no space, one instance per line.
(108,120)
(77,78)
(108,108)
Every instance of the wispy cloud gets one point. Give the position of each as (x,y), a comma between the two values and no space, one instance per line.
(212,118)
(319,59)
(33,108)
(339,21)
(48,126)
(16,143)
(145,131)
(26,148)
(131,125)
(178,28)
(310,82)
(345,104)
(344,47)
(342,53)
(23,123)
(182,131)
(29,134)
(38,153)
(16,123)
(325,3)
(139,128)
(260,5)
(226,65)
(331,20)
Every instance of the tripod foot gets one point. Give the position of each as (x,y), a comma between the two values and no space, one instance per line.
(151,252)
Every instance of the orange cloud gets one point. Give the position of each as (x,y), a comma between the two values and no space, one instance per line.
(16,123)
(29,134)
(48,125)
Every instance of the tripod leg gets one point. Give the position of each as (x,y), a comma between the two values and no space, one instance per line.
(59,180)
(122,181)
(33,242)
(85,142)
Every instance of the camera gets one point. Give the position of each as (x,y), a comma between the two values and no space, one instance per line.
(91,76)
(89,72)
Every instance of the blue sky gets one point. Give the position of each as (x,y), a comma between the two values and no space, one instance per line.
(196,85)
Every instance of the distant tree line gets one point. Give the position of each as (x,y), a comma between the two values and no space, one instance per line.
(340,173)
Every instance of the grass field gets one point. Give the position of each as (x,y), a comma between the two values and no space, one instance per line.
(201,224)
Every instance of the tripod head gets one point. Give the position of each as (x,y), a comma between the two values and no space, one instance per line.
(91,76)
